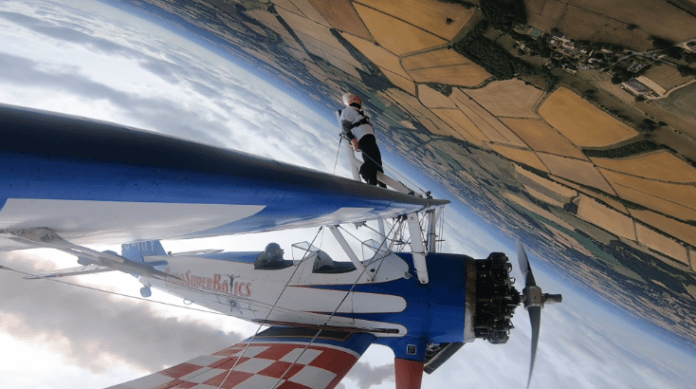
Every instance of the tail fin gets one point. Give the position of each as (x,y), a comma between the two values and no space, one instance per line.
(136,251)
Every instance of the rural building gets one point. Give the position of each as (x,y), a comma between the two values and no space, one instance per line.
(689,45)
(643,86)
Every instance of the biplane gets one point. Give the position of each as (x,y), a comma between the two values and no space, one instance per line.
(68,182)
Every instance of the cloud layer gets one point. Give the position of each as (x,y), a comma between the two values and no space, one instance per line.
(94,330)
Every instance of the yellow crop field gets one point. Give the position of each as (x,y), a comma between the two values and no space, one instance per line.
(379,56)
(462,127)
(433,99)
(530,206)
(542,137)
(271,21)
(420,113)
(606,199)
(386,61)
(581,172)
(404,83)
(337,57)
(606,218)
(524,157)
(287,5)
(444,66)
(581,122)
(560,192)
(487,123)
(436,58)
(396,35)
(508,98)
(300,24)
(684,195)
(668,77)
(661,165)
(553,9)
(582,24)
(662,244)
(670,199)
(306,9)
(341,15)
(430,15)
(675,228)
(659,18)
(543,197)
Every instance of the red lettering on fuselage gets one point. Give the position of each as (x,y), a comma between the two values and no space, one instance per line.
(188,280)
(242,289)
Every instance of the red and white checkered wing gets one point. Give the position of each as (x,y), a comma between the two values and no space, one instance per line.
(282,358)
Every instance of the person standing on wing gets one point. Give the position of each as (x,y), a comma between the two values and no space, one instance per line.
(358,128)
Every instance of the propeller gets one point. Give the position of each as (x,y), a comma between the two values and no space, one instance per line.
(533,301)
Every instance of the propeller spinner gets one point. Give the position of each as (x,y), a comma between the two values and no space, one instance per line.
(533,301)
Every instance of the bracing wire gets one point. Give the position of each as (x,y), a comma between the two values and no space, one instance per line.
(304,257)
(321,328)
(116,293)
(338,152)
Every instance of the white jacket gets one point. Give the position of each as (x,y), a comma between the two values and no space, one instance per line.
(350,116)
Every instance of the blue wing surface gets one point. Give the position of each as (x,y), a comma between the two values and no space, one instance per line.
(96,182)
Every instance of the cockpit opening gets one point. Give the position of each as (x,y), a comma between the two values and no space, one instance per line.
(324,264)
(271,258)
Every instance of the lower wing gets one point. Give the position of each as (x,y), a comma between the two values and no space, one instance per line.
(280,357)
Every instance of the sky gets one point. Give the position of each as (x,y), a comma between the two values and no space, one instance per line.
(89,59)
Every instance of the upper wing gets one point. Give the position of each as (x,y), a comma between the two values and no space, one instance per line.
(101,183)
(280,357)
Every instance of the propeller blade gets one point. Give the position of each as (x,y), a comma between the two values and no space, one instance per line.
(524,266)
(535,320)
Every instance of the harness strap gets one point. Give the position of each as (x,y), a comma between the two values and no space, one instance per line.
(360,122)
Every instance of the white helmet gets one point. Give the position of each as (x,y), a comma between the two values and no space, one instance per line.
(349,98)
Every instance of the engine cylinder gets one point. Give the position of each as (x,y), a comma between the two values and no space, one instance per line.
(496,298)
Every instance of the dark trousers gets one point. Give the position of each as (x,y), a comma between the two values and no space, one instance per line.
(372,159)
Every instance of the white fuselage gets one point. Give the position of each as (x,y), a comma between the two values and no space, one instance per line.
(294,295)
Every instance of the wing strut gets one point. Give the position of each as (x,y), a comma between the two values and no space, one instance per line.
(349,251)
(418,248)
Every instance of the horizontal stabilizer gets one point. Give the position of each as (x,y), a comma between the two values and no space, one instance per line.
(107,260)
(137,251)
(73,271)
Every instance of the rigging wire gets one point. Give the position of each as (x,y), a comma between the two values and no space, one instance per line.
(321,328)
(304,257)
(397,224)
(114,293)
(338,152)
